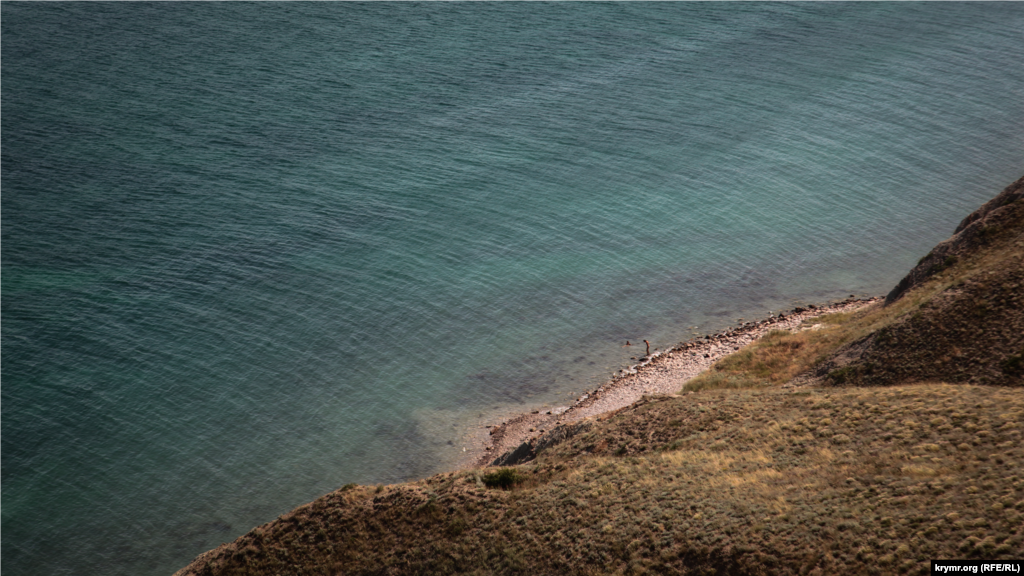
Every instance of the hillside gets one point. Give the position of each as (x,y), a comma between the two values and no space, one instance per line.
(865,442)
(967,305)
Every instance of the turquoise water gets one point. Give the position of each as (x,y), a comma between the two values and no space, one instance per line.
(254,252)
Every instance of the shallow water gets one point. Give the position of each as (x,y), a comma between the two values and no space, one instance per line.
(254,252)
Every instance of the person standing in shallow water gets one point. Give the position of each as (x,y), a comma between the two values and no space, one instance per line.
(648,347)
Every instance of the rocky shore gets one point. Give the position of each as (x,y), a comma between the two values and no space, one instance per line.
(660,373)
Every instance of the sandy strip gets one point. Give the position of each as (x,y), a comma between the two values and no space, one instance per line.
(659,374)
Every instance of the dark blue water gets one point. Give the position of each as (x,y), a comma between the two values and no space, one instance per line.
(252,252)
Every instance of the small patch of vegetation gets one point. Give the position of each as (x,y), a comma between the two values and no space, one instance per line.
(843,375)
(987,233)
(457,526)
(1013,365)
(949,261)
(503,478)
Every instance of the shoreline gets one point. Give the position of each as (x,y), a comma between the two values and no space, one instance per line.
(661,373)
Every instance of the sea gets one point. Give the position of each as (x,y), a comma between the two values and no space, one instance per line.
(252,252)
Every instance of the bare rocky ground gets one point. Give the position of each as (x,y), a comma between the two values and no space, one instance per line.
(661,373)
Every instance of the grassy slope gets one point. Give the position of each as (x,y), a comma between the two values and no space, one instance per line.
(746,482)
(744,476)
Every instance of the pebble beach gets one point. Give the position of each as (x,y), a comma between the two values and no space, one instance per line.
(659,373)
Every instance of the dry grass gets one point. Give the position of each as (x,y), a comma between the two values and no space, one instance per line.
(778,357)
(869,481)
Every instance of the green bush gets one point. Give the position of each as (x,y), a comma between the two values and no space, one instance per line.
(1014,364)
(950,260)
(504,478)
(843,375)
